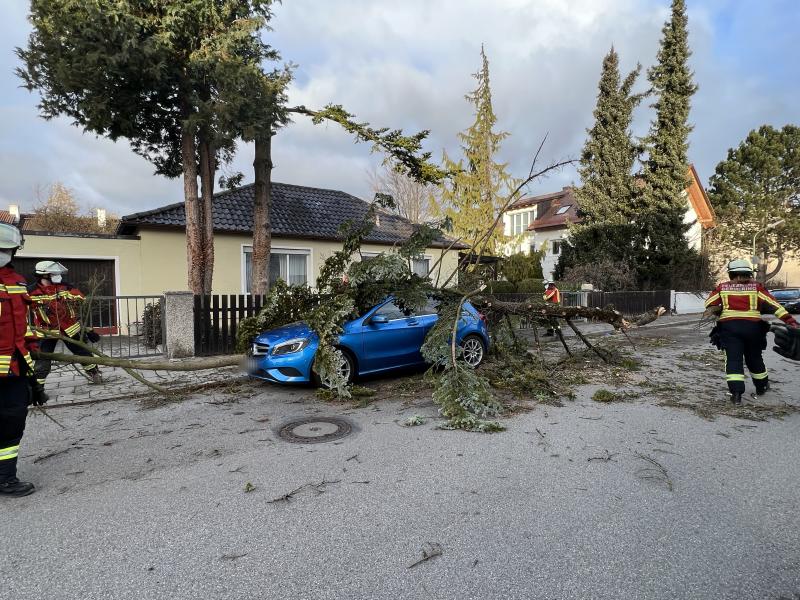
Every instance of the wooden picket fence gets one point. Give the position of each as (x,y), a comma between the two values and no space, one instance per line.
(216,318)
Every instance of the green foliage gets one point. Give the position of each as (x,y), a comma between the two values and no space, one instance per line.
(608,188)
(151,324)
(283,305)
(478,187)
(531,286)
(757,184)
(603,395)
(502,287)
(521,266)
(414,420)
(665,174)
(604,274)
(466,400)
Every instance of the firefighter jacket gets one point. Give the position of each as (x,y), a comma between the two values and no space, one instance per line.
(55,308)
(16,337)
(552,295)
(746,301)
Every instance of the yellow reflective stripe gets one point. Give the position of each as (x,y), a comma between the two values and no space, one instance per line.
(16,289)
(735,377)
(763,375)
(740,314)
(9,453)
(711,299)
(73,329)
(768,300)
(781,312)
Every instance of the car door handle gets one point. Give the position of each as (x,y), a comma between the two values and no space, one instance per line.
(412,322)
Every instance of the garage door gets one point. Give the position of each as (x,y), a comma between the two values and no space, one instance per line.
(89,275)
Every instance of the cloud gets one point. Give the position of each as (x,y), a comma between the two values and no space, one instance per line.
(409,64)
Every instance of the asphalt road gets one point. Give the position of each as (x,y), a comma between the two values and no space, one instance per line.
(151,503)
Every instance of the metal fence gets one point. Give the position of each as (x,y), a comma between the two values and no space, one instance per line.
(129,326)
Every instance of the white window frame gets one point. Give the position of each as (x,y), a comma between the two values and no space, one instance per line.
(427,257)
(307,251)
(553,243)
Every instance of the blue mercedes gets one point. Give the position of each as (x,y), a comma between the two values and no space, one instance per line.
(386,337)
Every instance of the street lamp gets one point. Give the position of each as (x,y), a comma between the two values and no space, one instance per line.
(759,232)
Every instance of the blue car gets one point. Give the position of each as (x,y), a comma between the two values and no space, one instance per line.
(384,338)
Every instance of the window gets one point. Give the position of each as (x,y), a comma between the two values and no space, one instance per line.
(521,221)
(391,311)
(421,266)
(365,256)
(563,209)
(291,265)
(557,246)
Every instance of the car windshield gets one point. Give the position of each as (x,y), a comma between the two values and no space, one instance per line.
(786,294)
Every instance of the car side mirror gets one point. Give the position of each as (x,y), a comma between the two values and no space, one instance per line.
(378,319)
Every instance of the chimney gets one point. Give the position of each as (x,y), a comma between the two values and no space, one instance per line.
(101,217)
(13,210)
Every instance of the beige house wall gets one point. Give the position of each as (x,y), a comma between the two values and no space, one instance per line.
(156,262)
(125,252)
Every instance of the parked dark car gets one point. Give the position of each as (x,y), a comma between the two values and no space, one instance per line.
(384,338)
(789,298)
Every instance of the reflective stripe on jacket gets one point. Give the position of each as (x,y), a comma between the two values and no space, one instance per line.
(16,337)
(55,308)
(746,301)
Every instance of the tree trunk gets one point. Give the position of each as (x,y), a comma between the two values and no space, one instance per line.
(194,232)
(262,207)
(207,170)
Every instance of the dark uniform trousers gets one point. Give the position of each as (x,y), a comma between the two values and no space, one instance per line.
(15,393)
(743,342)
(43,365)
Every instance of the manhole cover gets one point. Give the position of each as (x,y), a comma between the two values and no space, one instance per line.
(315,430)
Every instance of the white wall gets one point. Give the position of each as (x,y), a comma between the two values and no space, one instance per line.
(684,303)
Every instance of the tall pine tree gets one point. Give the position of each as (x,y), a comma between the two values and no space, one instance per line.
(665,174)
(607,184)
(478,191)
(608,189)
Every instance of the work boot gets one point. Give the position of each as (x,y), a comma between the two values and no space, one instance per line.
(14,488)
(736,397)
(763,390)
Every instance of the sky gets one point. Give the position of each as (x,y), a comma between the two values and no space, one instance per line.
(409,64)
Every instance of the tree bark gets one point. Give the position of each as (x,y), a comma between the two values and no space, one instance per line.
(194,364)
(208,168)
(262,208)
(194,233)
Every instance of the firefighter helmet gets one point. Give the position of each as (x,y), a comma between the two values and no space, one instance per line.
(740,266)
(10,237)
(547,283)
(50,267)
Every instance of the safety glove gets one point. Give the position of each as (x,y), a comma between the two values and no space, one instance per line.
(787,340)
(38,395)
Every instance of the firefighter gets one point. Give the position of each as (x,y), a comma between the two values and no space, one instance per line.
(740,331)
(55,311)
(552,294)
(18,388)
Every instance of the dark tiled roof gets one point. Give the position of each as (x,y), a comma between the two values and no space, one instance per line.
(297,211)
(547,207)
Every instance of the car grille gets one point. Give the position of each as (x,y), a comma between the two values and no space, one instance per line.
(260,349)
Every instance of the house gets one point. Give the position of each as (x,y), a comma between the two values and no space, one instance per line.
(147,255)
(543,221)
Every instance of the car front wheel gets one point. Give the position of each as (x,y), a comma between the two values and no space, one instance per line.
(473,350)
(347,369)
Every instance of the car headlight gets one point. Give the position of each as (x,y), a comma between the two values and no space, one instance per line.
(290,346)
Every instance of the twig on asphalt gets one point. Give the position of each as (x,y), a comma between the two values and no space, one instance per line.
(655,471)
(51,455)
(354,457)
(232,556)
(432,550)
(319,488)
(609,457)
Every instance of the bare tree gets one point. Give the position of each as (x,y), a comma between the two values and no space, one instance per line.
(413,198)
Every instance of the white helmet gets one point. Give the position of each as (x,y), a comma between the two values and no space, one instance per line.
(10,237)
(740,266)
(546,283)
(50,267)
